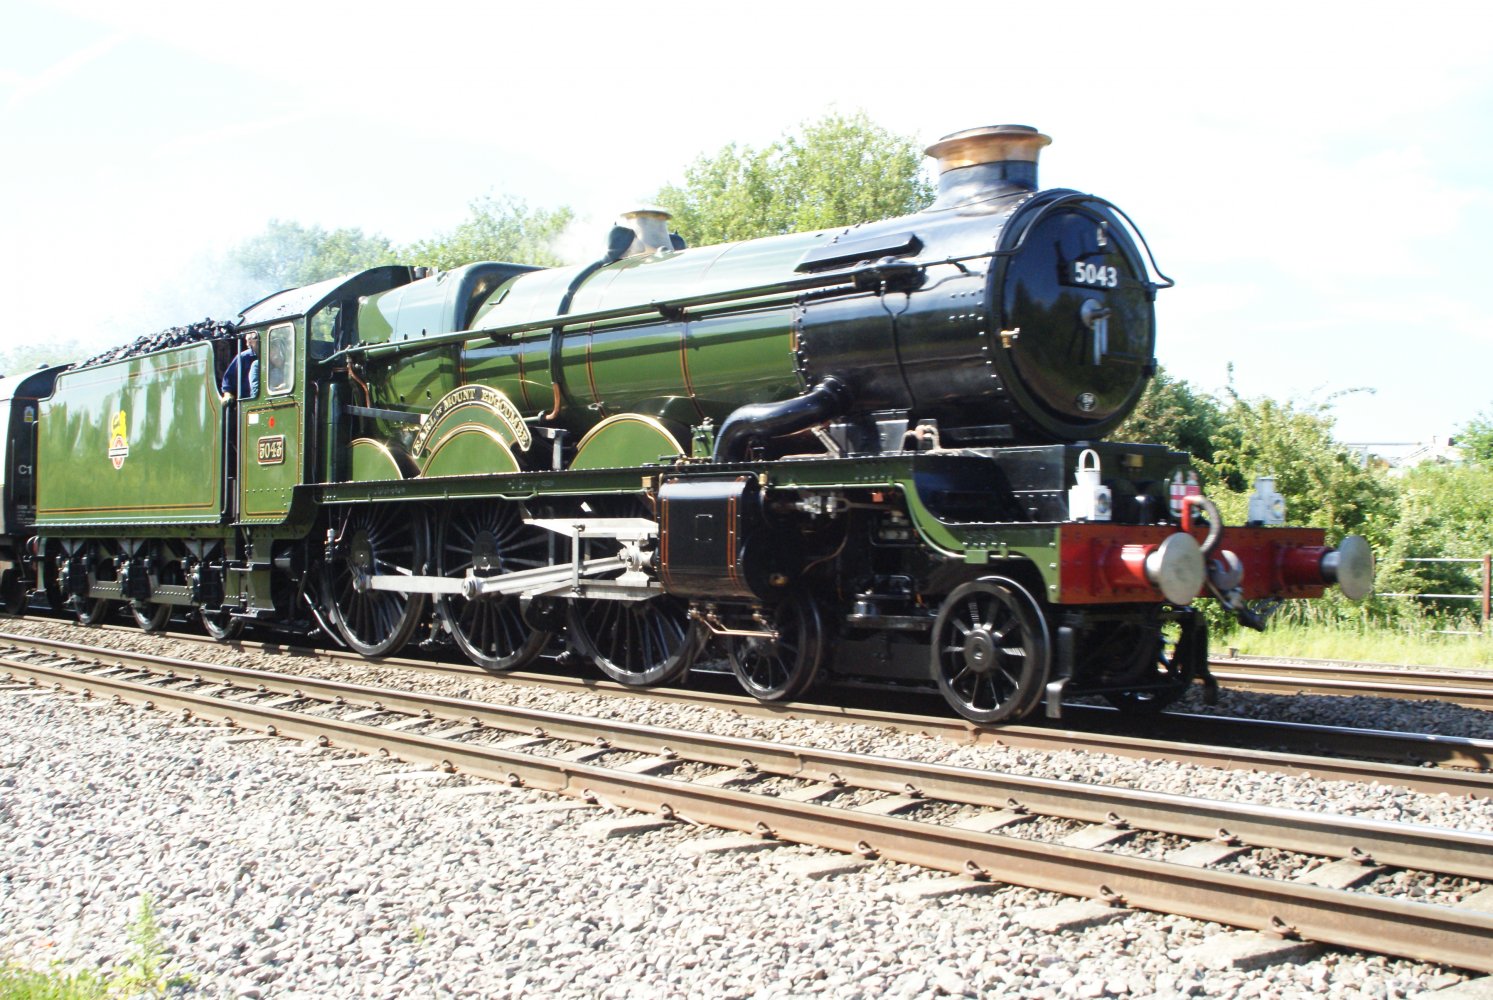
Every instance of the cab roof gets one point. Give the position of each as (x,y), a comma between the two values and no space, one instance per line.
(295,302)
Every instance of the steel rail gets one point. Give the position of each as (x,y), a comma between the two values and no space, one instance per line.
(1470,689)
(1336,917)
(1423,848)
(1204,732)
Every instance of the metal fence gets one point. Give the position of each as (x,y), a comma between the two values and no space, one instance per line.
(1485,562)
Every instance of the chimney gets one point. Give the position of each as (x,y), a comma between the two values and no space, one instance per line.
(979,164)
(650,227)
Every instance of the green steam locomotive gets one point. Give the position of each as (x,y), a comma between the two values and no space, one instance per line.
(872,452)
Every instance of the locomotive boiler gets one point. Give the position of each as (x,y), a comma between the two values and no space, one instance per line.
(876,451)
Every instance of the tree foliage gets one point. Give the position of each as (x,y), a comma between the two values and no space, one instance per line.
(288,254)
(838,171)
(496,229)
(23,358)
(1236,440)
(1445,512)
(1323,483)
(1172,412)
(1476,440)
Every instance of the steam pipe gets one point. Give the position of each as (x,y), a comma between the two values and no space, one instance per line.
(747,423)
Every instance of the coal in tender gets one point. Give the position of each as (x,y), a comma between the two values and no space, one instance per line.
(177,336)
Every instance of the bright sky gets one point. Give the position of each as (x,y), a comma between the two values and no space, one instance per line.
(1318,178)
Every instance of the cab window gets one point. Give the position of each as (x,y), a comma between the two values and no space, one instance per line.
(279,360)
(324,328)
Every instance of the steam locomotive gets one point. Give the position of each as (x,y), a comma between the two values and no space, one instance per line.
(875,451)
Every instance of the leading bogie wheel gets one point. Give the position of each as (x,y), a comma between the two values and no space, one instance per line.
(991,652)
(376,540)
(1180,654)
(782,665)
(489,539)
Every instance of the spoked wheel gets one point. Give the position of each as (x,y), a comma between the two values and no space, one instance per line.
(781,668)
(220,624)
(990,650)
(87,611)
(376,540)
(490,539)
(636,642)
(1181,652)
(150,616)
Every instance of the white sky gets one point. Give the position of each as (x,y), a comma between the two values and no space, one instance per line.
(1317,177)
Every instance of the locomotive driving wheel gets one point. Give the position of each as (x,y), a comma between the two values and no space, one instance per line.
(781,666)
(375,540)
(990,650)
(636,643)
(489,539)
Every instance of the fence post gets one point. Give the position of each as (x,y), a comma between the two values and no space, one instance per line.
(1487,588)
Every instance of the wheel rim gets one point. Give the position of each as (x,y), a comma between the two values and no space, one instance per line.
(88,611)
(490,540)
(990,650)
(377,540)
(220,623)
(781,669)
(150,616)
(636,642)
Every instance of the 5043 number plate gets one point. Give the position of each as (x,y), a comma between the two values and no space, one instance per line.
(1093,275)
(272,450)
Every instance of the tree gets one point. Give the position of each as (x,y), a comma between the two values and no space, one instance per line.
(1324,485)
(288,254)
(841,170)
(1173,413)
(1476,440)
(1445,511)
(24,358)
(497,229)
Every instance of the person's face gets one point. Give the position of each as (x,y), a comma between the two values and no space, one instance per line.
(253,342)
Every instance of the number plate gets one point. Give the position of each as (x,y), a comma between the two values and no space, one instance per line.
(1088,275)
(272,450)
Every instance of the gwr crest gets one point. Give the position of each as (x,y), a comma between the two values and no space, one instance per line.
(119,440)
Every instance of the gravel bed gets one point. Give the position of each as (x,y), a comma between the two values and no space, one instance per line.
(282,872)
(322,880)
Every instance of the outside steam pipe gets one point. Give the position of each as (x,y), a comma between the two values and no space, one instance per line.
(828,399)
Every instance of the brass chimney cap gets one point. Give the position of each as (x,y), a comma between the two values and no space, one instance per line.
(987,144)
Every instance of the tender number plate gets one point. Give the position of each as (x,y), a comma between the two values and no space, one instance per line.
(272,450)
(1093,275)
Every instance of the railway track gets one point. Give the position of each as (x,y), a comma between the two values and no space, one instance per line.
(1468,688)
(1053,835)
(1327,752)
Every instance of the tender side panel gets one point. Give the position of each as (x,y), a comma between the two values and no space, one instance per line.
(136,442)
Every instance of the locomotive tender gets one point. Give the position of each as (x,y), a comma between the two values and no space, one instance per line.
(874,451)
